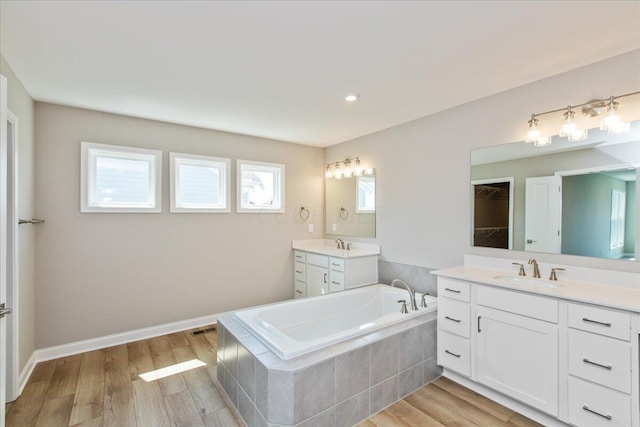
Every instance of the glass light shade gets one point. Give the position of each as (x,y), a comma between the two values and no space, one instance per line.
(346,172)
(533,135)
(328,173)
(577,135)
(337,174)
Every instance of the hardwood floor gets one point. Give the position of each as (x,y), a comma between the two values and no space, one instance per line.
(102,388)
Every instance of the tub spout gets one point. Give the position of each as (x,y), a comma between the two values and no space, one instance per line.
(412,293)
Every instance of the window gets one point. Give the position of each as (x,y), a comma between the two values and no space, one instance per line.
(366,188)
(199,183)
(260,187)
(618,205)
(119,179)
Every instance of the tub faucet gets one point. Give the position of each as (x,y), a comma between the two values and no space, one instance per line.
(340,243)
(536,270)
(412,293)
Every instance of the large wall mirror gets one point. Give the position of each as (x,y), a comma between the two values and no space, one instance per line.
(576,198)
(351,206)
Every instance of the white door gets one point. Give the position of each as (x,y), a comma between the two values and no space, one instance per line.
(518,356)
(3,241)
(317,280)
(543,214)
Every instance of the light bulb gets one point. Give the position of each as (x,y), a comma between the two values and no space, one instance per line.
(338,173)
(347,172)
(569,127)
(612,122)
(534,132)
(358,169)
(327,173)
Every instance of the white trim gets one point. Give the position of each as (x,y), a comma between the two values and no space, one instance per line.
(597,169)
(13,288)
(86,178)
(279,185)
(511,181)
(3,235)
(174,178)
(521,408)
(98,343)
(26,372)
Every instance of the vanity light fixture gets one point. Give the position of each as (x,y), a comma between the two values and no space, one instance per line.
(346,168)
(569,129)
(611,123)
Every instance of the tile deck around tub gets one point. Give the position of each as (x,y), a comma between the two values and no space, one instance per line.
(340,385)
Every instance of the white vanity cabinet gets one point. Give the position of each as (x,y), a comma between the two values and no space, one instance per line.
(573,361)
(317,274)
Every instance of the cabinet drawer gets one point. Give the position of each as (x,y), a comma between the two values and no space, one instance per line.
(603,360)
(454,353)
(595,406)
(299,256)
(519,303)
(319,260)
(300,290)
(454,316)
(336,281)
(300,271)
(455,289)
(600,321)
(336,264)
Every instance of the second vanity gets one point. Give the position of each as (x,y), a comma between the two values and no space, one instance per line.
(320,268)
(567,348)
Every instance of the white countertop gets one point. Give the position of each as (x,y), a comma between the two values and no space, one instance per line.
(624,298)
(328,247)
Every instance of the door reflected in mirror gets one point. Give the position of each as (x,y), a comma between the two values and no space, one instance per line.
(576,198)
(350,206)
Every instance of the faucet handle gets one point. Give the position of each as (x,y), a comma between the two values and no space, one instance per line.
(553,276)
(348,246)
(423,303)
(521,272)
(403,309)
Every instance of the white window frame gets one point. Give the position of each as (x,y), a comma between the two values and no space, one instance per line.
(618,206)
(358,179)
(223,164)
(279,185)
(89,150)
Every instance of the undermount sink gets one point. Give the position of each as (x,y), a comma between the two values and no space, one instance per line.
(519,280)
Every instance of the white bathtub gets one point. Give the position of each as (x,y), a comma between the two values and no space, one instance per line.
(297,327)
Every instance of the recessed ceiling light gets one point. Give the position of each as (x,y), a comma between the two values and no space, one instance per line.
(351,97)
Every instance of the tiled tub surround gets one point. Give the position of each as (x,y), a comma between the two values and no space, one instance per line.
(419,278)
(340,385)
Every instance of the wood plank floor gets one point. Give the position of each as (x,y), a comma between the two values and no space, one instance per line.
(102,388)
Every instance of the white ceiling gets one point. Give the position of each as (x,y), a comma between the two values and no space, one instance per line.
(279,69)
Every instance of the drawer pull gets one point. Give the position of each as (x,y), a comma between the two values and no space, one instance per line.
(452,319)
(298,271)
(335,283)
(584,319)
(586,408)
(298,256)
(453,354)
(609,367)
(299,292)
(335,265)
(479,330)
(452,290)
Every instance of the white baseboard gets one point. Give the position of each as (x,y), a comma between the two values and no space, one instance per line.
(49,353)
(26,372)
(514,405)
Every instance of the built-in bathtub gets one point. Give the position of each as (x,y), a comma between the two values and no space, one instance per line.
(301,326)
(348,356)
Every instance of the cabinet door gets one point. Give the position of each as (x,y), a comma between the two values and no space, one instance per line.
(518,356)
(317,280)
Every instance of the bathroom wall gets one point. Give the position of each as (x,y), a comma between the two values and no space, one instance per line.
(21,105)
(422,167)
(99,274)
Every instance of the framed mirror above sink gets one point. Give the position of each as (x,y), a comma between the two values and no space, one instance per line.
(569,197)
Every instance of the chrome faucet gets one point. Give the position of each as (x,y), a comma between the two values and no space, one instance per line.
(536,270)
(340,243)
(412,293)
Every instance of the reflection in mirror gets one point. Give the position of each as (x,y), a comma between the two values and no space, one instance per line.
(350,206)
(577,198)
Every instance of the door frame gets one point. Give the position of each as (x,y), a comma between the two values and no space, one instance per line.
(3,233)
(13,266)
(511,180)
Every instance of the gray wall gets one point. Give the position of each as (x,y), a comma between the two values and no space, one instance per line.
(630,216)
(99,274)
(422,167)
(21,104)
(586,214)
